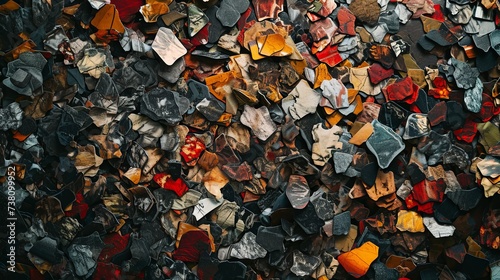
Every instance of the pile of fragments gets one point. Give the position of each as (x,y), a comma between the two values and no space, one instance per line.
(251,139)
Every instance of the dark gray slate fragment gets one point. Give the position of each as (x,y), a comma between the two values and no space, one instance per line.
(304,264)
(466,199)
(417,125)
(384,143)
(227,14)
(271,238)
(211,108)
(342,223)
(308,220)
(164,105)
(465,76)
(83,253)
(341,161)
(457,156)
(434,147)
(11,117)
(473,97)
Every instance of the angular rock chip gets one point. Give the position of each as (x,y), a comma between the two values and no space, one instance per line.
(325,142)
(357,261)
(298,191)
(167,46)
(301,101)
(384,143)
(304,265)
(437,230)
(164,105)
(259,121)
(417,125)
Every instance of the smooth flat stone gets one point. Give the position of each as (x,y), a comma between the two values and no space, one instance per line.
(489,166)
(495,40)
(384,143)
(196,20)
(211,108)
(455,115)
(271,238)
(392,114)
(259,121)
(358,261)
(474,96)
(304,265)
(465,199)
(298,192)
(417,125)
(438,230)
(168,46)
(227,14)
(342,223)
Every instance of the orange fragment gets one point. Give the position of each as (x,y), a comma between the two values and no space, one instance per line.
(358,261)
(107,18)
(410,221)
(322,74)
(362,135)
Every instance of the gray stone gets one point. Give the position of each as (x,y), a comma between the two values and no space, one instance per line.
(342,223)
(384,143)
(164,105)
(473,97)
(341,161)
(417,125)
(304,265)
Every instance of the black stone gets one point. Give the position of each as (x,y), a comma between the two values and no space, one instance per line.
(308,220)
(271,238)
(369,173)
(466,199)
(342,223)
(446,212)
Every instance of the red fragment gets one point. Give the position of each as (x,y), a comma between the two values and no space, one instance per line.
(80,207)
(403,90)
(465,180)
(192,150)
(488,108)
(346,21)
(437,114)
(201,38)
(467,132)
(330,55)
(115,243)
(241,35)
(429,191)
(127,10)
(36,275)
(377,73)
(165,181)
(438,13)
(440,89)
(426,208)
(107,271)
(192,244)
